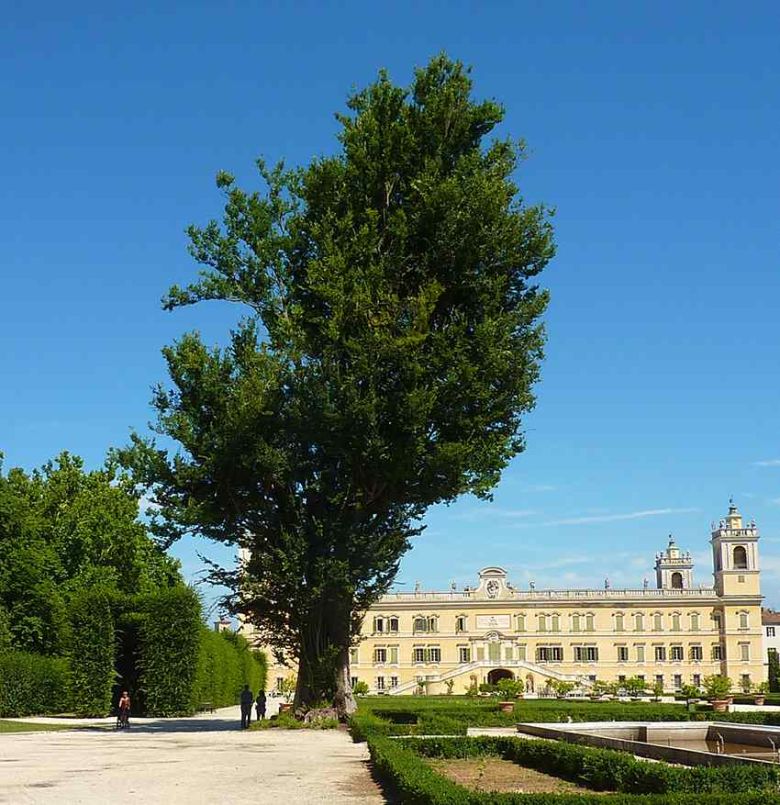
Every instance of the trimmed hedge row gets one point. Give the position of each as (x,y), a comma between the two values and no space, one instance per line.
(170,637)
(225,664)
(91,653)
(604,769)
(32,684)
(416,783)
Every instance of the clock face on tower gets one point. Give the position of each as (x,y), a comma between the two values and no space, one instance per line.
(492,588)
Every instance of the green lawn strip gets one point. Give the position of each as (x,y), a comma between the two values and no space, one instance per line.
(400,764)
(27,726)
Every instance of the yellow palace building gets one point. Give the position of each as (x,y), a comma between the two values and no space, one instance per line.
(674,633)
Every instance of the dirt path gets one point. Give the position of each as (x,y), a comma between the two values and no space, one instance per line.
(185,761)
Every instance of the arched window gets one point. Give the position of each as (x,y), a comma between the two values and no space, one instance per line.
(639,622)
(520,622)
(543,623)
(589,623)
(575,622)
(740,558)
(619,622)
(420,624)
(694,621)
(658,622)
(677,581)
(556,623)
(675,621)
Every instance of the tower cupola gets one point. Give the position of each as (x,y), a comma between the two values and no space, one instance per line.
(735,554)
(673,568)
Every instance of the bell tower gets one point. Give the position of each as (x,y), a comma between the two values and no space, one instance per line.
(735,555)
(673,568)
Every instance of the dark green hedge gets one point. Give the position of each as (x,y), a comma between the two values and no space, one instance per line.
(32,684)
(170,636)
(414,782)
(225,664)
(92,653)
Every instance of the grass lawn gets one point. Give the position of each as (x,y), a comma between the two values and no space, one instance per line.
(26,726)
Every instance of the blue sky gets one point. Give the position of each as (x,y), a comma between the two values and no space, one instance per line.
(653,128)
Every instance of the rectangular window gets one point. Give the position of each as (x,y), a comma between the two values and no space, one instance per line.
(744,652)
(575,623)
(480,653)
(464,654)
(677,653)
(770,631)
(353,681)
(380,683)
(393,681)
(622,653)
(640,653)
(521,652)
(745,682)
(621,678)
(694,621)
(555,623)
(520,623)
(677,681)
(717,620)
(508,653)
(279,683)
(460,623)
(696,653)
(434,654)
(696,680)
(717,652)
(743,620)
(543,623)
(619,622)
(379,625)
(380,655)
(639,622)
(658,623)
(419,654)
(586,654)
(418,625)
(589,623)
(660,653)
(393,655)
(675,622)
(494,652)
(659,679)
(353,656)
(392,625)
(549,654)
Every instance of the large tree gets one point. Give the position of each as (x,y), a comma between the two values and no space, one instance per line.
(391,340)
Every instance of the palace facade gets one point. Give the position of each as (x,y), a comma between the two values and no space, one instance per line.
(674,633)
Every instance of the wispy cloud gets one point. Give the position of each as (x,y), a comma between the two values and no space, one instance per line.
(613,518)
(540,488)
(490,511)
(769,462)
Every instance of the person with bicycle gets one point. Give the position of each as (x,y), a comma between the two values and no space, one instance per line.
(124,710)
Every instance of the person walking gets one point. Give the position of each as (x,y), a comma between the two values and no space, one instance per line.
(260,705)
(124,710)
(247,697)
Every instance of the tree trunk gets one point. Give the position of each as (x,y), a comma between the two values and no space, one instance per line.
(344,700)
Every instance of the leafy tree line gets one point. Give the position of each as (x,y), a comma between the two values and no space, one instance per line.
(391,341)
(64,530)
(89,602)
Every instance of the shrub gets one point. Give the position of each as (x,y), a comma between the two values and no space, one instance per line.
(170,638)
(360,688)
(32,684)
(5,631)
(92,653)
(717,686)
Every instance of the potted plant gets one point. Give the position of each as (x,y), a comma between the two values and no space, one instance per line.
(635,687)
(598,689)
(717,687)
(509,690)
(658,690)
(760,694)
(287,690)
(560,687)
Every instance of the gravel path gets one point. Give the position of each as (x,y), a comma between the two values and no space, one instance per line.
(206,759)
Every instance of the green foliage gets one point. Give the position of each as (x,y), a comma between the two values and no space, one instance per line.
(5,631)
(63,529)
(360,688)
(510,688)
(560,687)
(92,653)
(393,340)
(31,684)
(399,764)
(634,686)
(170,639)
(717,686)
(225,664)
(287,721)
(774,671)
